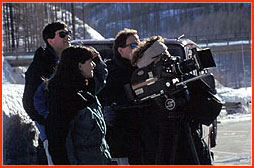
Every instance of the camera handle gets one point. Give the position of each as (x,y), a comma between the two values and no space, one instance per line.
(193,79)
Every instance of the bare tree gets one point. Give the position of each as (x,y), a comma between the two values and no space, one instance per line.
(83,19)
(73,20)
(11,26)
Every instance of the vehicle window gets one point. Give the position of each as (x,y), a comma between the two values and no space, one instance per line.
(104,49)
(106,53)
(101,46)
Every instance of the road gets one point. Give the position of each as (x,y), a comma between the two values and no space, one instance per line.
(234,144)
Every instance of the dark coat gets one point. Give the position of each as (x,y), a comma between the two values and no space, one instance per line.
(64,104)
(119,75)
(86,143)
(134,132)
(43,65)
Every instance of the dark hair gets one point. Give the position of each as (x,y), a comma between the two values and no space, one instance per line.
(68,68)
(49,30)
(142,47)
(120,39)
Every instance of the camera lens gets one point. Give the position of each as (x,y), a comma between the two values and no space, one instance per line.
(187,66)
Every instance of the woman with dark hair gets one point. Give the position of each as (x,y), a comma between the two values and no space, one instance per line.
(75,126)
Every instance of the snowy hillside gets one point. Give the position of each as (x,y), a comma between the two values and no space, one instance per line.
(242,97)
(12,75)
(90,32)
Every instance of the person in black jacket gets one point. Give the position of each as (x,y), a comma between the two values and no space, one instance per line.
(131,133)
(180,139)
(56,35)
(75,110)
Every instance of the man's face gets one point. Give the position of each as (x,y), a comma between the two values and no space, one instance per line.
(61,40)
(126,52)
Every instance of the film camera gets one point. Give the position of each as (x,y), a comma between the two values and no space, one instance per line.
(188,65)
(172,79)
(184,89)
(168,75)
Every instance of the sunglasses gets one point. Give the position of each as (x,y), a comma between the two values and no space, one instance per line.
(62,34)
(132,45)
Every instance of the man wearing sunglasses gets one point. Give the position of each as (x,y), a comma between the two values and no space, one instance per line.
(127,143)
(56,36)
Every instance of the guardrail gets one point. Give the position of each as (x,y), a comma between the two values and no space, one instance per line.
(25,58)
(199,39)
(22,60)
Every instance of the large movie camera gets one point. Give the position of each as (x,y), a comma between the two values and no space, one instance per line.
(168,76)
(181,89)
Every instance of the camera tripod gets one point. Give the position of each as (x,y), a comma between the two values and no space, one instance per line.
(170,140)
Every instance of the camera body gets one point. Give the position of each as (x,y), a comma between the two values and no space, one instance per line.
(170,74)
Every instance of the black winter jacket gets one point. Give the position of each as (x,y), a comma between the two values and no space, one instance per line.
(85,143)
(134,132)
(120,72)
(43,65)
(64,104)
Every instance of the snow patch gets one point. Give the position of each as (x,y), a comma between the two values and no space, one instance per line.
(12,75)
(90,32)
(20,135)
(242,96)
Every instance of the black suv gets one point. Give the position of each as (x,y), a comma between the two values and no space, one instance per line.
(175,47)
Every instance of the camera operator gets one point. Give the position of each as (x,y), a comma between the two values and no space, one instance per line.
(174,143)
(131,132)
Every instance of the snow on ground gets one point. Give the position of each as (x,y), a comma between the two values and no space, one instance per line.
(241,95)
(19,132)
(227,94)
(12,75)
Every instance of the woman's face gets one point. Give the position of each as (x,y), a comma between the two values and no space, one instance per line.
(87,68)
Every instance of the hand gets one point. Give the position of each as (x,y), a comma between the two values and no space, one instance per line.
(109,115)
(95,53)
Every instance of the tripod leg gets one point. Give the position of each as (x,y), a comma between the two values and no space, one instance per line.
(173,152)
(168,144)
(193,148)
